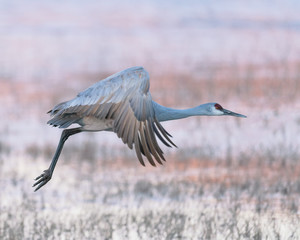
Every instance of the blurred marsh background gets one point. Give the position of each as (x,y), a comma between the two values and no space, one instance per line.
(230,178)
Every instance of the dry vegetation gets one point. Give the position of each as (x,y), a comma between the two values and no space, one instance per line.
(252,196)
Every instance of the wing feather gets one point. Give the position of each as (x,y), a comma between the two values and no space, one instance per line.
(151,140)
(144,142)
(138,148)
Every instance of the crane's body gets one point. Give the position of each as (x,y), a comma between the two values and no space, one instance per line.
(122,104)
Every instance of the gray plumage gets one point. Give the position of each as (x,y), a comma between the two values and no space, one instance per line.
(120,103)
(123,104)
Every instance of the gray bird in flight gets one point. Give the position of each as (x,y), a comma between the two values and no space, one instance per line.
(122,103)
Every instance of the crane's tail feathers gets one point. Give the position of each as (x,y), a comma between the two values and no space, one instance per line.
(64,120)
(62,116)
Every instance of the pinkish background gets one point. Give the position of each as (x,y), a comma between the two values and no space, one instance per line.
(243,54)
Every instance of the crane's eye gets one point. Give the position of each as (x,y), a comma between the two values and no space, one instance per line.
(218,106)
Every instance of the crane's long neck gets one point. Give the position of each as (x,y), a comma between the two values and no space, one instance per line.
(165,114)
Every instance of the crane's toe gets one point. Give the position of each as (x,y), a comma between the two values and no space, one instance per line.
(42,179)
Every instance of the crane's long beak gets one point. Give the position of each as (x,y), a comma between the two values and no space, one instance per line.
(227,112)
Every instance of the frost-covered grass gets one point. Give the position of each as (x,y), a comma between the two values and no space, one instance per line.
(190,220)
(251,196)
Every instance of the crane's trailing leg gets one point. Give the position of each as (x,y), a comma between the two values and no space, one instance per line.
(47,174)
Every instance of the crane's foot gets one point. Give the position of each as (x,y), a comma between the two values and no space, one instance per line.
(42,179)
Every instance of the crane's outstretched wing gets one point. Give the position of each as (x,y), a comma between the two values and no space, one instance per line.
(124,98)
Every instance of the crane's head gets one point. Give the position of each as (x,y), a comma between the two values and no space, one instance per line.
(216,109)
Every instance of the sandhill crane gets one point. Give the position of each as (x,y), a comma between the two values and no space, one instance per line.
(122,104)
